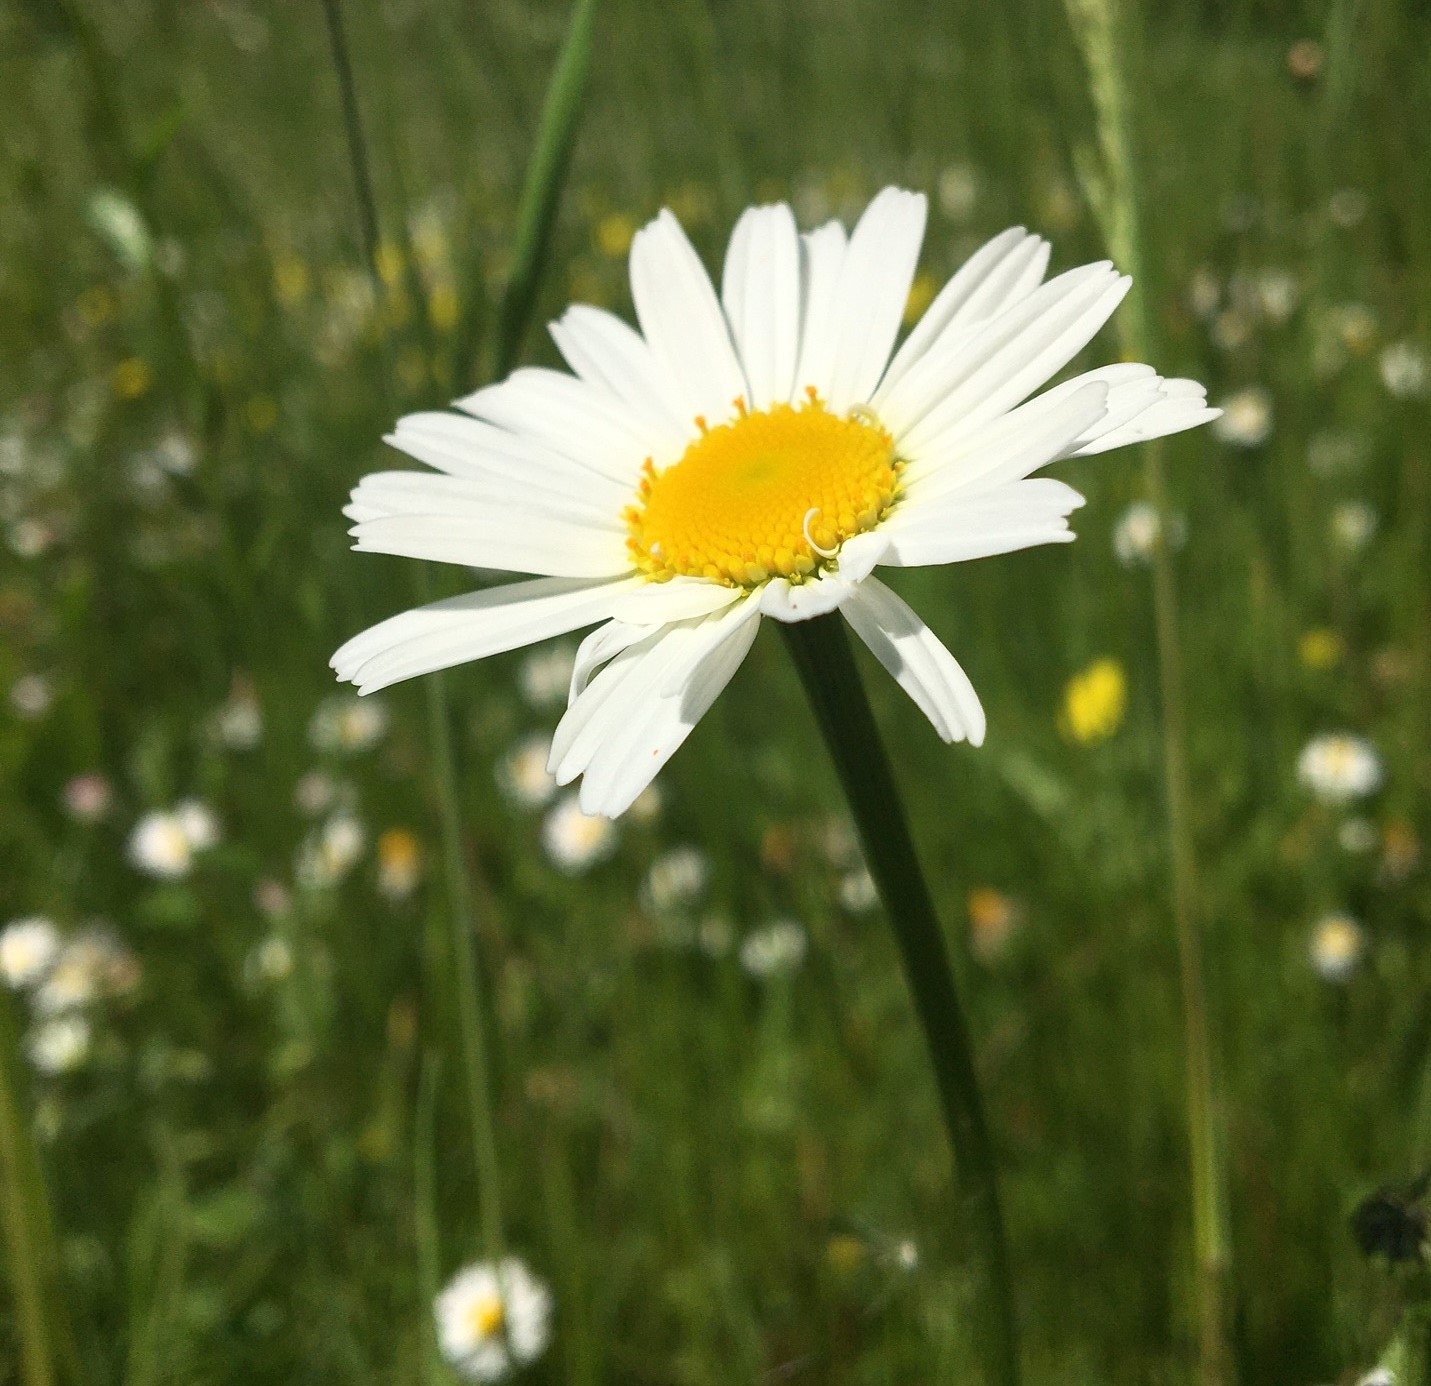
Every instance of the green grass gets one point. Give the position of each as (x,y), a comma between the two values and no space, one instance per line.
(263,1181)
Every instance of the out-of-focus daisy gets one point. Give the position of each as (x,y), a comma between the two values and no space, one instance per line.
(1204,292)
(330,852)
(1094,702)
(958,191)
(493,1318)
(545,675)
(648,804)
(399,863)
(60,1044)
(1405,371)
(1276,293)
(271,898)
(316,792)
(857,893)
(31,695)
(1138,531)
(1246,420)
(1339,767)
(994,918)
(675,880)
(347,724)
(522,773)
(165,841)
(1336,947)
(87,797)
(270,961)
(1354,525)
(238,724)
(756,453)
(575,839)
(774,949)
(1356,325)
(92,966)
(1357,835)
(28,949)
(1305,59)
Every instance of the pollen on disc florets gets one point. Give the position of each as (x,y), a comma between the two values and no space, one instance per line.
(769,493)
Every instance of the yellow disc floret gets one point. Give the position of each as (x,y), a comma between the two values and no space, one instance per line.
(772,493)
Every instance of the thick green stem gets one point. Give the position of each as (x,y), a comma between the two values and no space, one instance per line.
(1106,31)
(822,654)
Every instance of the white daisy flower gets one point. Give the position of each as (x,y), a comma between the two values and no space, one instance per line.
(775,949)
(28,949)
(1139,528)
(545,675)
(1336,947)
(754,453)
(1246,420)
(492,1319)
(346,725)
(164,841)
(1339,767)
(675,881)
(90,967)
(522,773)
(575,839)
(1354,524)
(87,797)
(59,1045)
(330,852)
(1405,370)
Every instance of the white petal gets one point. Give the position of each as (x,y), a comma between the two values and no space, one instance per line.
(600,647)
(567,415)
(822,254)
(999,274)
(683,322)
(473,626)
(918,660)
(482,538)
(875,276)
(478,450)
(761,293)
(1161,408)
(1007,448)
(487,500)
(606,352)
(1002,360)
(680,599)
(1017,516)
(633,715)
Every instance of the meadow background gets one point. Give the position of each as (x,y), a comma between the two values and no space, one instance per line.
(724,1156)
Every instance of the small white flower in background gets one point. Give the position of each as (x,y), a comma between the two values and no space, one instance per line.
(164,841)
(522,773)
(330,852)
(906,1255)
(857,891)
(348,724)
(1354,525)
(545,676)
(775,949)
(175,452)
(1136,535)
(1381,1376)
(29,537)
(399,864)
(1246,420)
(120,225)
(238,724)
(648,805)
(1358,835)
(1276,293)
(87,797)
(316,792)
(492,1319)
(958,191)
(59,1045)
(31,695)
(28,949)
(1339,767)
(271,960)
(749,453)
(675,880)
(1204,292)
(91,966)
(575,840)
(271,898)
(1405,370)
(1336,947)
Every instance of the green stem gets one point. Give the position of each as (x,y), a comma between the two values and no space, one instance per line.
(822,654)
(22,1237)
(1107,34)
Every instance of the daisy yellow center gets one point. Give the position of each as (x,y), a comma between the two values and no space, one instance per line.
(485,1316)
(771,493)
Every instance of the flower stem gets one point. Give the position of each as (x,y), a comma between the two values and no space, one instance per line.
(822,654)
(1106,31)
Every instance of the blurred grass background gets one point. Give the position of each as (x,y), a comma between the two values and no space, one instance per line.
(258,1166)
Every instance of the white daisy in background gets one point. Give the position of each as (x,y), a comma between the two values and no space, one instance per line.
(347,725)
(238,724)
(87,797)
(1339,767)
(330,852)
(676,880)
(1139,528)
(575,839)
(1246,420)
(1405,370)
(757,453)
(1336,947)
(545,675)
(28,949)
(492,1319)
(59,1045)
(31,695)
(857,891)
(775,949)
(92,966)
(1354,525)
(522,773)
(165,841)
